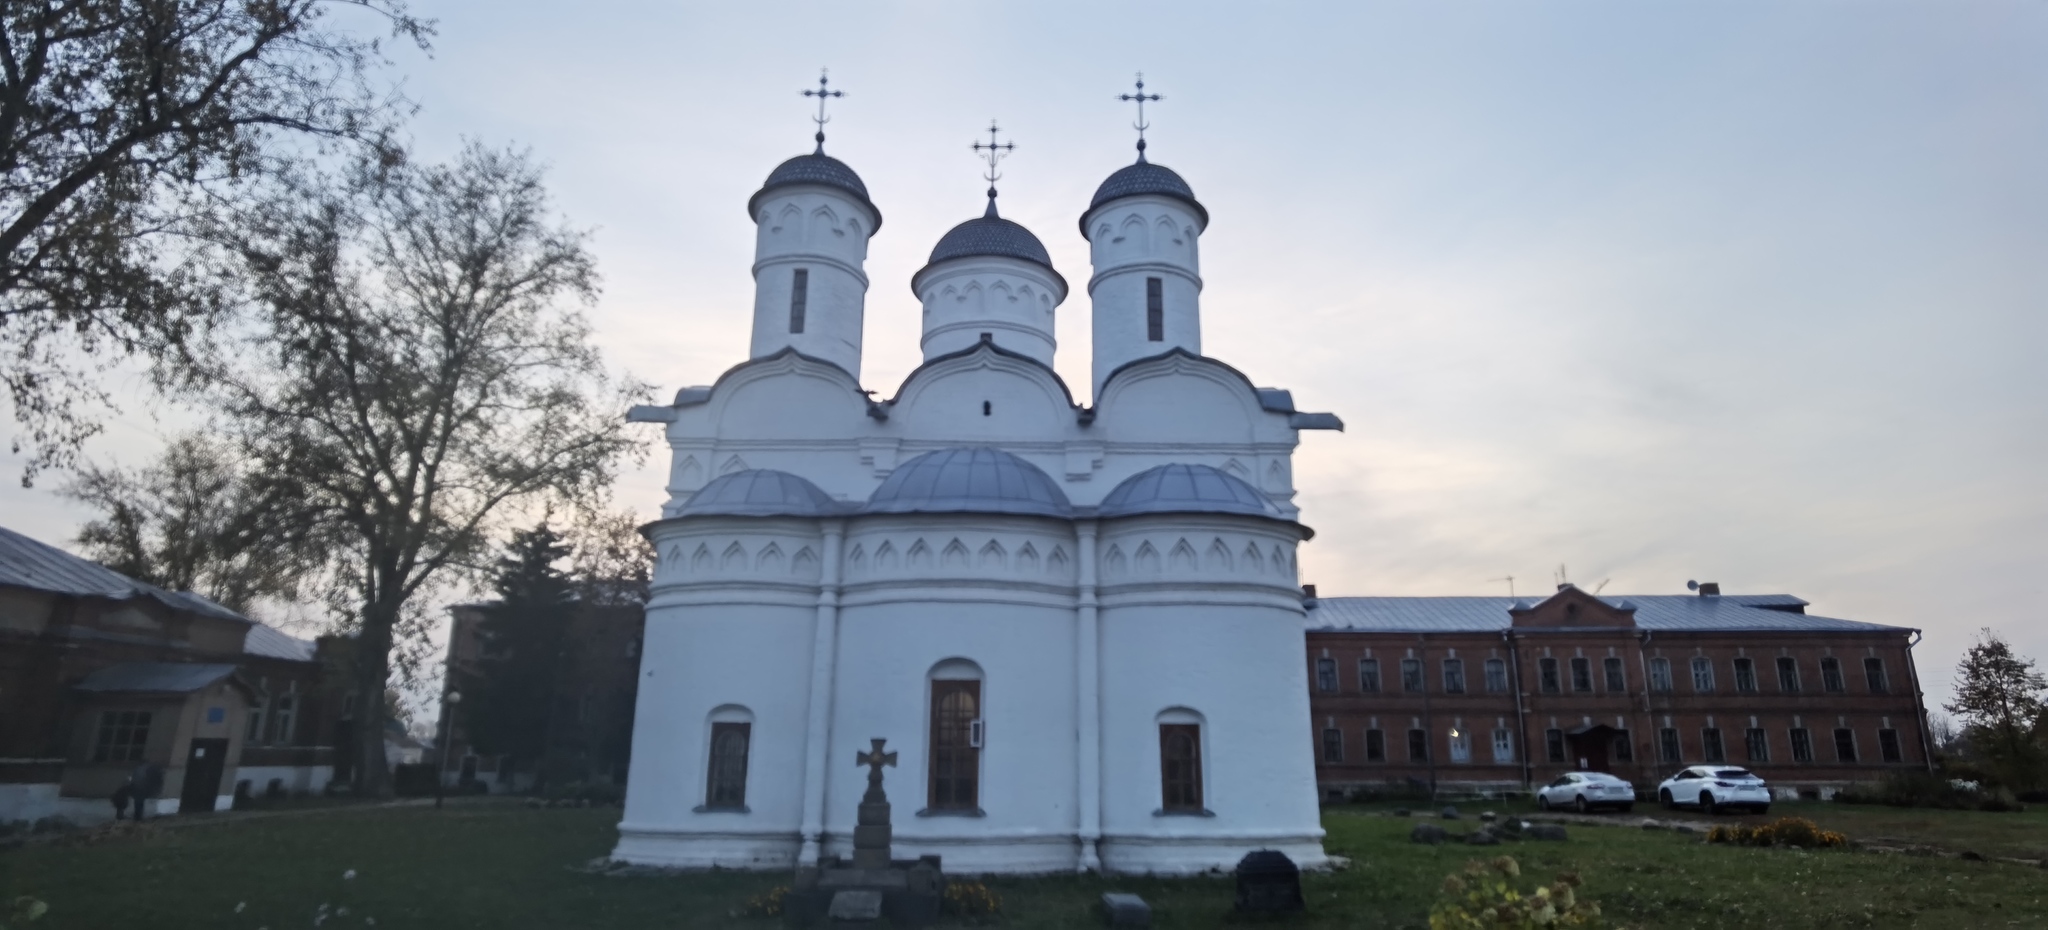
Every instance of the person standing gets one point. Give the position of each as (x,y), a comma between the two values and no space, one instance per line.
(146,782)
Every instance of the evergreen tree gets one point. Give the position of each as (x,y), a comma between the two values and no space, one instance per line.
(509,703)
(1999,697)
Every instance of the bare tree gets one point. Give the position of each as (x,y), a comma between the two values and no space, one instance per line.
(194,521)
(121,121)
(612,562)
(418,373)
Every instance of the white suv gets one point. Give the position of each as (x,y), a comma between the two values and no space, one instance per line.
(1714,787)
(1585,791)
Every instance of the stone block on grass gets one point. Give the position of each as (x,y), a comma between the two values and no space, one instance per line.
(1545,831)
(1427,833)
(1120,909)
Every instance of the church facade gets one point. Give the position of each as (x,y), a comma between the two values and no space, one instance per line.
(1080,626)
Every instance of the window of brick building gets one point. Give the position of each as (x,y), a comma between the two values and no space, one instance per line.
(726,781)
(283,726)
(1553,744)
(1496,676)
(1454,676)
(1873,673)
(1333,745)
(1667,746)
(1845,744)
(1503,745)
(1369,675)
(1546,672)
(1418,745)
(1802,745)
(1660,674)
(1326,675)
(1375,746)
(1180,766)
(123,736)
(1624,747)
(254,734)
(1756,744)
(799,298)
(1788,674)
(1411,675)
(1702,674)
(1617,679)
(1745,675)
(1831,674)
(1710,745)
(1582,674)
(1461,745)
(1888,746)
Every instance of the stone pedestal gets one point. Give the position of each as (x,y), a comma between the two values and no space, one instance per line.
(910,890)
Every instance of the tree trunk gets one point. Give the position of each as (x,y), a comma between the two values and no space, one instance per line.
(373,671)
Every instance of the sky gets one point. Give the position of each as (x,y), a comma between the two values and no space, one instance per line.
(1745,292)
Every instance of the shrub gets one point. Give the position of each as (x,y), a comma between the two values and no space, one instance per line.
(1914,789)
(971,899)
(1796,832)
(1483,897)
(768,903)
(1997,805)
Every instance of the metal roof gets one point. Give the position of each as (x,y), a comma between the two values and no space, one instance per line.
(1144,178)
(759,492)
(27,563)
(1182,488)
(276,644)
(815,168)
(155,677)
(1654,612)
(974,479)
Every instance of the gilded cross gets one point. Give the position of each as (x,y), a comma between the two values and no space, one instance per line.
(823,91)
(1140,125)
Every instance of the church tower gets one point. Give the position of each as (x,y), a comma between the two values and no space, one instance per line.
(813,219)
(1143,229)
(989,278)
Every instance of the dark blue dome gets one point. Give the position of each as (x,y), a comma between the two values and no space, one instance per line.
(1145,178)
(969,480)
(759,492)
(1181,488)
(990,235)
(815,168)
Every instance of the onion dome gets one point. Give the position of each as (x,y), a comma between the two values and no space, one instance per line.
(1143,178)
(820,169)
(759,492)
(970,480)
(990,234)
(1179,488)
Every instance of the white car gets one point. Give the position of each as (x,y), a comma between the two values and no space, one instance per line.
(1712,788)
(1583,791)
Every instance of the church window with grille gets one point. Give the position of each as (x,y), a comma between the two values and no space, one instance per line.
(1180,766)
(1155,310)
(799,298)
(726,784)
(956,755)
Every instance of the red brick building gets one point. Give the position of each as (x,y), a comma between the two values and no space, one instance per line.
(1491,694)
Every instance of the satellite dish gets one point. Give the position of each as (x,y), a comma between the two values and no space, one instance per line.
(1692,586)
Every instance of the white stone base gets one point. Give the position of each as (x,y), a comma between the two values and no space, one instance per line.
(672,849)
(1034,854)
(1194,855)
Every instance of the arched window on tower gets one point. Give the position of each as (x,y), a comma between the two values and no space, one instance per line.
(1180,762)
(954,782)
(725,769)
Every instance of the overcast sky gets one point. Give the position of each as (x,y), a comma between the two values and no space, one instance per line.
(1754,293)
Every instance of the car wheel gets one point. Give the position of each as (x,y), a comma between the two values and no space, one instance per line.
(1664,798)
(1707,805)
(1762,809)
(1580,803)
(1625,808)
(1542,801)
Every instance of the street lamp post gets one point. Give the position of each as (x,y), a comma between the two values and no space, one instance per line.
(448,704)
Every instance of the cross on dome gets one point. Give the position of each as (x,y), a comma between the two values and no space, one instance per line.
(1140,125)
(821,93)
(995,153)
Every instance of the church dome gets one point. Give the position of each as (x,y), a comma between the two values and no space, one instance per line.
(1143,178)
(820,169)
(759,492)
(1179,488)
(970,480)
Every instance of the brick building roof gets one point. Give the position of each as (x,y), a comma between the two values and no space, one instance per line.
(1657,612)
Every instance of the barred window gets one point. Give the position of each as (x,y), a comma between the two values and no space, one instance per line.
(123,736)
(1155,310)
(726,784)
(1180,766)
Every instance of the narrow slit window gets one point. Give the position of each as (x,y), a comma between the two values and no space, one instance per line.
(1180,766)
(1155,310)
(726,782)
(799,298)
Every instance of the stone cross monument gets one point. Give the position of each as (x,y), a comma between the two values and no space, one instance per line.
(871,828)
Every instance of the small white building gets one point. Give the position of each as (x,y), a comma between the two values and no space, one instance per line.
(1080,626)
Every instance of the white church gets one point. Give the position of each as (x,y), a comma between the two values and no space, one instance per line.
(1079,625)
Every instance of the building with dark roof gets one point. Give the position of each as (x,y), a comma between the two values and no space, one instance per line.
(1488,694)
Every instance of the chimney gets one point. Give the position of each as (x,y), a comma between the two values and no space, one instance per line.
(1565,586)
(1710,589)
(1308,595)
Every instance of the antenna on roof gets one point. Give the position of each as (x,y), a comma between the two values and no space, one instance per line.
(1511,584)
(1602,584)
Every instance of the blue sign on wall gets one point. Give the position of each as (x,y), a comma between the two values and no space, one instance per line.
(216,714)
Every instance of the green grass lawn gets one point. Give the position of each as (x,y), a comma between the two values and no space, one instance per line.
(510,867)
